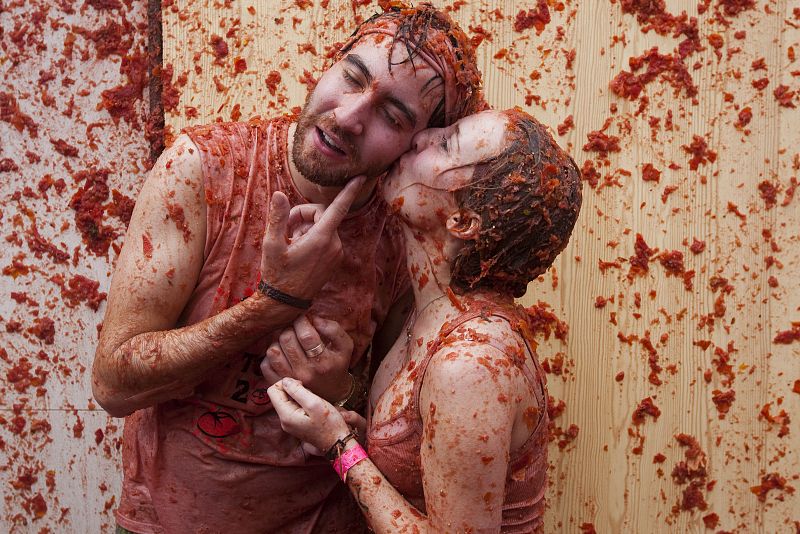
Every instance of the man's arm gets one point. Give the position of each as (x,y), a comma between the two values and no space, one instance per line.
(141,360)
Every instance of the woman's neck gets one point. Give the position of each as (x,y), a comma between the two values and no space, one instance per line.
(428,258)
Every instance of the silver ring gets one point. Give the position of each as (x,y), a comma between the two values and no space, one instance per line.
(314,352)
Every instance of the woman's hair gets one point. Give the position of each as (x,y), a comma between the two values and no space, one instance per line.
(528,198)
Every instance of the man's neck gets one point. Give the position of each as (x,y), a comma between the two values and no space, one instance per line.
(317,194)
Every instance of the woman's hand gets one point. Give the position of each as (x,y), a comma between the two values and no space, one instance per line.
(306,416)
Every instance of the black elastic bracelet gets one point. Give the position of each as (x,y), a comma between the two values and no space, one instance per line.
(283,298)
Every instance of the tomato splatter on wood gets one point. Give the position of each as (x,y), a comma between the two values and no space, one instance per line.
(711,520)
(43,328)
(640,261)
(645,407)
(536,18)
(668,67)
(272,80)
(786,337)
(784,96)
(11,113)
(89,210)
(701,154)
(723,401)
(542,321)
(744,117)
(771,482)
(781,419)
(80,289)
(599,141)
(219,47)
(120,101)
(691,471)
(650,173)
(697,246)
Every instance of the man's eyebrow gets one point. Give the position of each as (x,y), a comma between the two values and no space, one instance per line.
(405,110)
(357,62)
(425,89)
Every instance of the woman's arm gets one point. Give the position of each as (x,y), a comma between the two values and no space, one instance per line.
(468,401)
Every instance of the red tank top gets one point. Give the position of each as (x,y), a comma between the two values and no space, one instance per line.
(394,445)
(218,460)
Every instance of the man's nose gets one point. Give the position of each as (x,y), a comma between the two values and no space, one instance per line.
(351,114)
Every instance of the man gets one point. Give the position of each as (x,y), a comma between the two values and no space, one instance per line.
(216,263)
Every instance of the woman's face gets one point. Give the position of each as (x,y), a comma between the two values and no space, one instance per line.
(442,160)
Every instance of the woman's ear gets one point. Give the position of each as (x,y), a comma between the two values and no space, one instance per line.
(464,224)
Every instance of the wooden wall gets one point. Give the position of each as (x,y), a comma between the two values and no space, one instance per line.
(71,162)
(707,316)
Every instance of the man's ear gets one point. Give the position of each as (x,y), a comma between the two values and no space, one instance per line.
(464,224)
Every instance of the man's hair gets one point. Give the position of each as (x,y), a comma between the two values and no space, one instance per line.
(424,27)
(528,198)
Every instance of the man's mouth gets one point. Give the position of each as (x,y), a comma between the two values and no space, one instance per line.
(330,142)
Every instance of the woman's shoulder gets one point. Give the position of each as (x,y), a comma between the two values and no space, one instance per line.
(493,333)
(481,349)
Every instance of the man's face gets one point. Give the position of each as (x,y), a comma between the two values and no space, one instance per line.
(360,117)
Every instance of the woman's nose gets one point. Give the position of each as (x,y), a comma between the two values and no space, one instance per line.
(422,140)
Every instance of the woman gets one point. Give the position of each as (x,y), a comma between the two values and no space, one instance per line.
(457,418)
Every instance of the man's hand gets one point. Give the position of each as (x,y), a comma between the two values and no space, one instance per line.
(316,352)
(298,258)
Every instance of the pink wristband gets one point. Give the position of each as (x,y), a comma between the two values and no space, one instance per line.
(348,459)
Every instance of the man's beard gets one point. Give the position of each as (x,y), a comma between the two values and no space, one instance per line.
(308,161)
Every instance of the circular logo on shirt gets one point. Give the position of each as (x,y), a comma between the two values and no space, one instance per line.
(218,424)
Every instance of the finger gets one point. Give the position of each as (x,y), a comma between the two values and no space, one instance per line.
(285,406)
(275,236)
(307,335)
(268,373)
(299,231)
(332,332)
(303,397)
(293,351)
(278,361)
(305,213)
(338,209)
(311,450)
(353,419)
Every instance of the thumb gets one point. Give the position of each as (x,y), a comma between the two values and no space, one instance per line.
(278,221)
